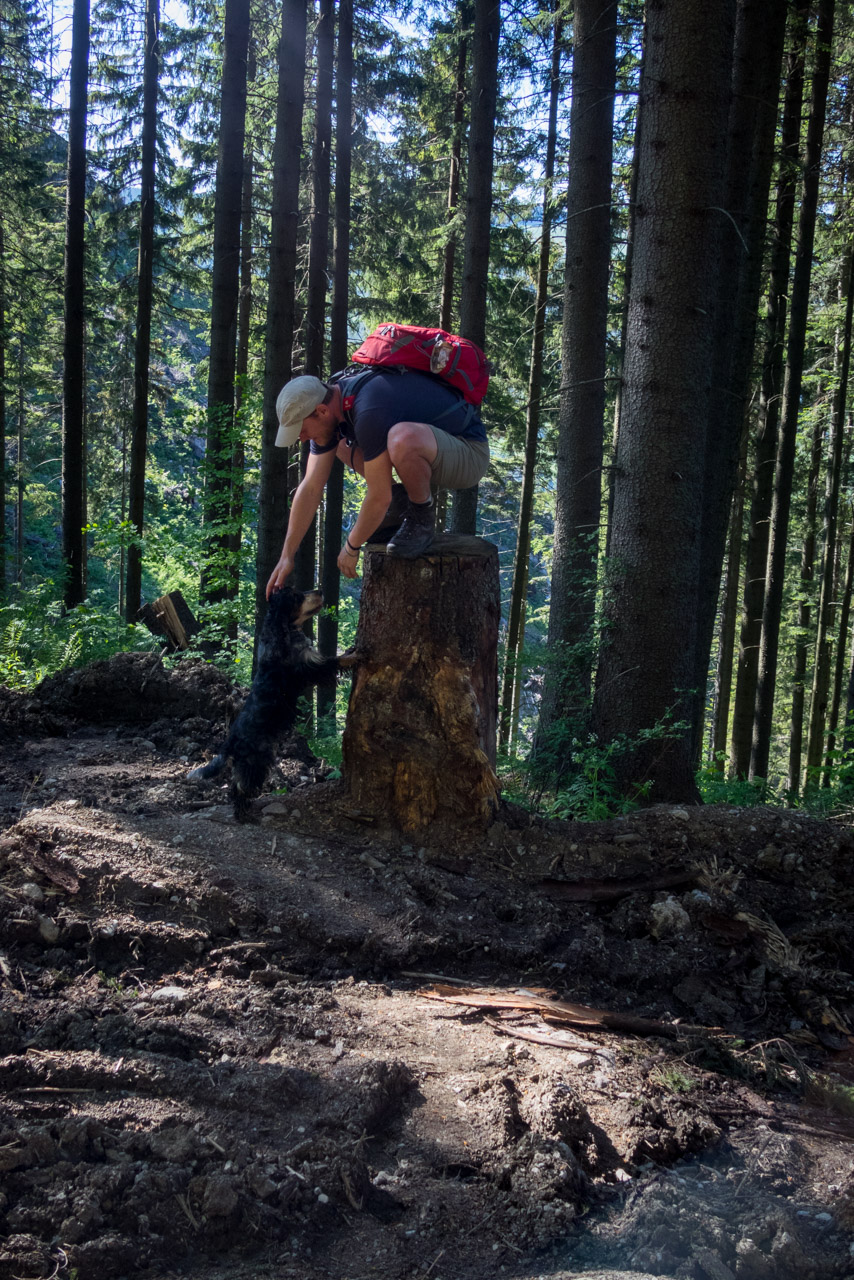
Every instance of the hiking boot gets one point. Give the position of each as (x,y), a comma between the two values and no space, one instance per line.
(416,533)
(393,518)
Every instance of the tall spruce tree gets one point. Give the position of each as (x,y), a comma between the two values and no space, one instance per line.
(225,295)
(646,668)
(74,350)
(582,406)
(785,459)
(145,293)
(281,287)
(484,99)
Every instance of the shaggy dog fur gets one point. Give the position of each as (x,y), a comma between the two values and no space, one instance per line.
(287,666)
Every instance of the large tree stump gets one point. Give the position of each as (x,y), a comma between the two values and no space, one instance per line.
(419,745)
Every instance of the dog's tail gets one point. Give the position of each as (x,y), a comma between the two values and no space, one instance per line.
(207,771)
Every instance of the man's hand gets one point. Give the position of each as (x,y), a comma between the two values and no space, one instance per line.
(280,574)
(348,563)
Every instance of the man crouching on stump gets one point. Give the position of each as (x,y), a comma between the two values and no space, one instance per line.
(378,423)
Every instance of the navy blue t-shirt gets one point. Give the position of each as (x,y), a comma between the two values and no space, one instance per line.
(389,396)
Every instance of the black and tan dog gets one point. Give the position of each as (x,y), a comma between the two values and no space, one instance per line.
(287,666)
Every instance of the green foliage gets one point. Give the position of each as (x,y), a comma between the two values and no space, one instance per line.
(38,637)
(716,788)
(588,786)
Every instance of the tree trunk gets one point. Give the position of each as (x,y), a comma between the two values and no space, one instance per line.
(419,746)
(628,264)
(827,595)
(839,666)
(225,293)
(647,663)
(241,368)
(4,335)
(74,353)
(305,560)
(449,253)
(484,97)
(785,461)
(19,470)
(770,397)
(804,634)
(519,589)
(757,62)
(729,616)
(578,490)
(144,297)
(281,290)
(327,623)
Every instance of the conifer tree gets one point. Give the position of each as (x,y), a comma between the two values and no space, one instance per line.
(74,379)
(484,98)
(225,291)
(145,293)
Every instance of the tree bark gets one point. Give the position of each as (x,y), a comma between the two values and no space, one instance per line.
(225,294)
(647,663)
(241,367)
(305,561)
(327,623)
(519,588)
(449,253)
(729,616)
(785,461)
(770,398)
(757,63)
(804,635)
(484,98)
(281,295)
(839,667)
(74,353)
(419,746)
(827,594)
(144,298)
(4,336)
(578,490)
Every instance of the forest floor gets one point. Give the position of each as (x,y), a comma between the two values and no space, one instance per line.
(218,1058)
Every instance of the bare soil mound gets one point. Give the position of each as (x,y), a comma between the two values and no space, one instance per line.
(241,1050)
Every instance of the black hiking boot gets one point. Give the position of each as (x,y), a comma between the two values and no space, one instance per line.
(394,517)
(416,533)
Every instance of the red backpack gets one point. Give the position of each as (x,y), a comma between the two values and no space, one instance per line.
(456,360)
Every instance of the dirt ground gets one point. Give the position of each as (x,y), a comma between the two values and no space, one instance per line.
(218,1060)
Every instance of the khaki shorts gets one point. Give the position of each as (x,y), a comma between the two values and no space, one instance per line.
(460,463)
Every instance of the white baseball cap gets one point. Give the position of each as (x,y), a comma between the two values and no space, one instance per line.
(297,399)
